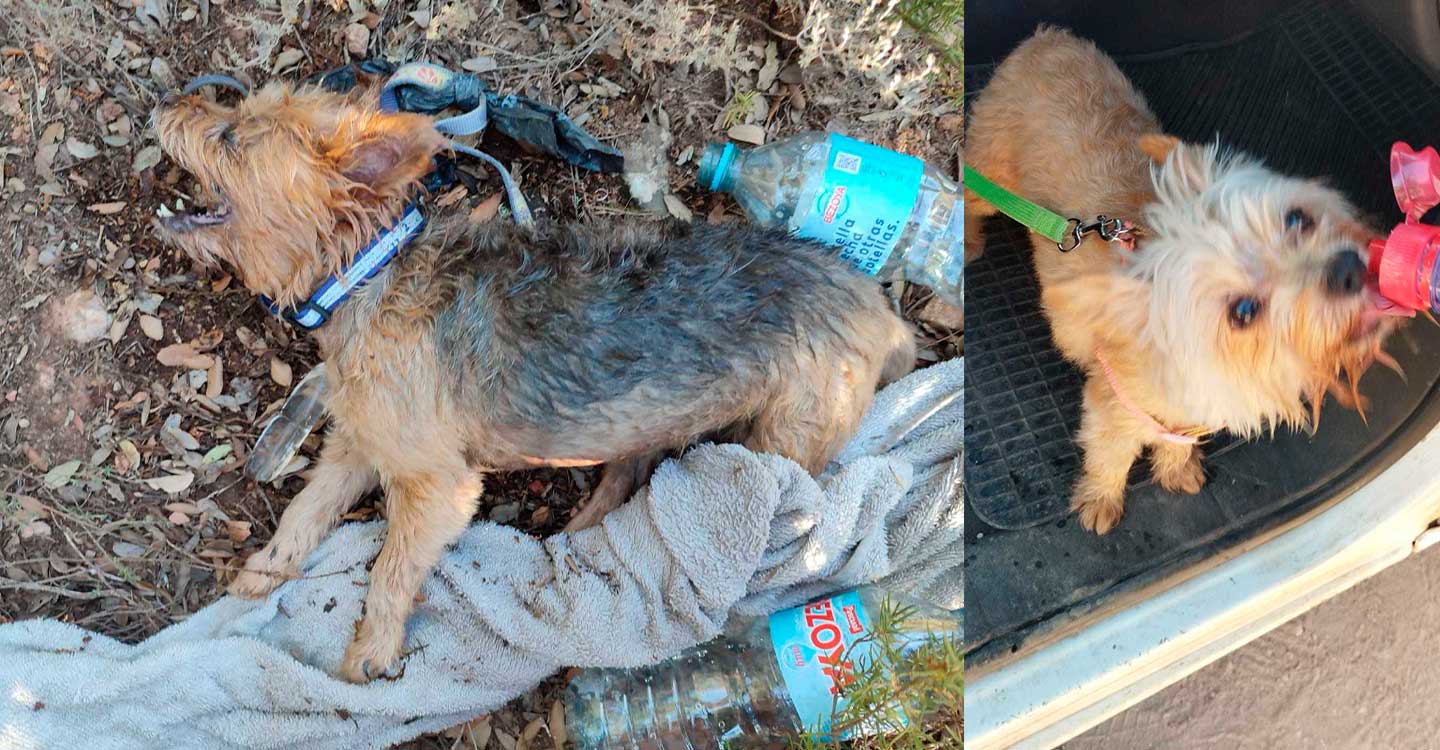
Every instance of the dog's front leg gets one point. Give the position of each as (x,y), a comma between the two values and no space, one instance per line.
(1177,467)
(339,479)
(1111,444)
(425,514)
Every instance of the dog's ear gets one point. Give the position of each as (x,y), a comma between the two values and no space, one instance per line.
(1097,308)
(1158,146)
(1184,168)
(387,153)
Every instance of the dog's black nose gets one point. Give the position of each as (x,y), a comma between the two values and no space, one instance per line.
(1346,273)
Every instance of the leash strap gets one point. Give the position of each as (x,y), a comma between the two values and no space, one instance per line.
(444,85)
(1163,432)
(1037,219)
(315,312)
(1067,234)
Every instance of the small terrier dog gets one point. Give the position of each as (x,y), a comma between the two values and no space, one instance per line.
(1244,300)
(485,348)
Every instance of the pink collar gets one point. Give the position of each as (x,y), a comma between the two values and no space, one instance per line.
(1140,414)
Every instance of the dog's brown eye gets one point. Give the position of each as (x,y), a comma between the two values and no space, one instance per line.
(1243,311)
(1298,220)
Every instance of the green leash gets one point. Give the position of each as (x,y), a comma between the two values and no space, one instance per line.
(1067,234)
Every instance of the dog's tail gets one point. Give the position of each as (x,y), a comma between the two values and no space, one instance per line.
(900,348)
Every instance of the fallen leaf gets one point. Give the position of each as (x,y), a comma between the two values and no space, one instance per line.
(479,64)
(288,57)
(35,530)
(357,39)
(80,149)
(486,210)
(528,735)
(172,483)
(127,549)
(771,68)
(452,197)
(107,209)
(128,458)
(147,158)
(238,531)
(218,453)
(152,327)
(557,724)
(280,372)
(677,208)
(184,355)
(215,383)
(747,134)
(179,519)
(61,475)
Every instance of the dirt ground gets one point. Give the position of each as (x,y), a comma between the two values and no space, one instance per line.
(132,385)
(1355,673)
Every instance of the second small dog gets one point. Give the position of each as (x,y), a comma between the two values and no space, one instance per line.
(1244,301)
(488,348)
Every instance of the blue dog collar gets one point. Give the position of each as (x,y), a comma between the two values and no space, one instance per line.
(316,311)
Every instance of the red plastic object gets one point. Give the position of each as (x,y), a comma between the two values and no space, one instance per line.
(1403,263)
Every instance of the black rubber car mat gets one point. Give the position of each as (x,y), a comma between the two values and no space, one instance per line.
(1314,92)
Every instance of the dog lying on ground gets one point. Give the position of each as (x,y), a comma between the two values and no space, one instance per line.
(494,348)
(1245,299)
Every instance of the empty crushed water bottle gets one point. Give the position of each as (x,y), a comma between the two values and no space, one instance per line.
(776,679)
(890,215)
(281,439)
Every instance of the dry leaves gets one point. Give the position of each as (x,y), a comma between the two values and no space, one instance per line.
(184,355)
(172,483)
(280,373)
(107,209)
(152,327)
(747,134)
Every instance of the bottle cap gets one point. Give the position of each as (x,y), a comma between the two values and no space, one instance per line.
(715,167)
(1403,264)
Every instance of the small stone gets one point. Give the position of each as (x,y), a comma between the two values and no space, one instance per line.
(506,513)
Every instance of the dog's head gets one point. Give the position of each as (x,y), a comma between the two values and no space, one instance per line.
(288,183)
(1249,295)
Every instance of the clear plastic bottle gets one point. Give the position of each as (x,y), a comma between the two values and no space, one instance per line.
(889,214)
(767,682)
(277,444)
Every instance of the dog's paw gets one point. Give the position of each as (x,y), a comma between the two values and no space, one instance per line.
(1099,510)
(371,655)
(256,581)
(1186,478)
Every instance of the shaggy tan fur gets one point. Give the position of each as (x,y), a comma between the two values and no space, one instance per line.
(491,348)
(1060,125)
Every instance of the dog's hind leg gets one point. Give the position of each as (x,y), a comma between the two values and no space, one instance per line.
(810,420)
(339,479)
(618,482)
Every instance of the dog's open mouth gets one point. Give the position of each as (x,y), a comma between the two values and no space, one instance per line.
(184,218)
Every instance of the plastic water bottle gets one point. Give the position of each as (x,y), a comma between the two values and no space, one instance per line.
(280,439)
(775,679)
(890,215)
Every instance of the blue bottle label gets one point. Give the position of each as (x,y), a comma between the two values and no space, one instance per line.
(864,201)
(819,647)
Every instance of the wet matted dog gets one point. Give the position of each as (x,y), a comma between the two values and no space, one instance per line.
(492,347)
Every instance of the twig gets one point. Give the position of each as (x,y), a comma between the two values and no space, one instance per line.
(10,583)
